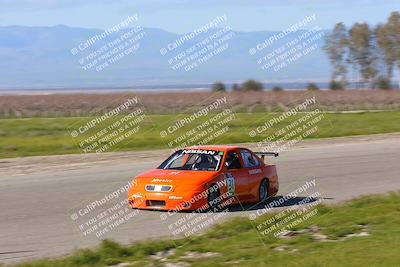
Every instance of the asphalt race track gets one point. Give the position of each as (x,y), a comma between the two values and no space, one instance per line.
(36,208)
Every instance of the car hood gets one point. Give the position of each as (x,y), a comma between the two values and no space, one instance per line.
(176,177)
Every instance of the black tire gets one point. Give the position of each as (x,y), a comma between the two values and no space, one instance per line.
(212,196)
(263,191)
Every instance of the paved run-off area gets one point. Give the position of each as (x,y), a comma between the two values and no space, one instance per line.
(39,195)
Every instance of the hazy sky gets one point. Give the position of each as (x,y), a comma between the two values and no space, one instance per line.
(185,15)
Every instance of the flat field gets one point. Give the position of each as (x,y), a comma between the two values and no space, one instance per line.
(76,105)
(50,136)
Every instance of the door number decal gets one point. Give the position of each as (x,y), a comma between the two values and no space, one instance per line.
(230,183)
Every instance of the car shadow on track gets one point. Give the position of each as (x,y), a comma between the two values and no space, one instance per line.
(279,202)
(275,202)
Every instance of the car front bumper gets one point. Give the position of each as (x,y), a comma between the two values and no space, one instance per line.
(168,201)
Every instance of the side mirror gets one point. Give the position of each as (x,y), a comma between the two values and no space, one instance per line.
(232,166)
(224,168)
(228,165)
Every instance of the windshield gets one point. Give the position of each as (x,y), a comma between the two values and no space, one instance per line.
(193,159)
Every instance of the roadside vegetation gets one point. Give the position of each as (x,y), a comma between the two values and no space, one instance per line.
(367,55)
(361,232)
(312,87)
(83,105)
(247,86)
(371,53)
(49,136)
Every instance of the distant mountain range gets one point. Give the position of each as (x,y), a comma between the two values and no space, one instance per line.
(40,57)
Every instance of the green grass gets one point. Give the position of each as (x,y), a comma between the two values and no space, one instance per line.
(240,244)
(49,136)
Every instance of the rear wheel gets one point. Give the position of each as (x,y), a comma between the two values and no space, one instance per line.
(263,191)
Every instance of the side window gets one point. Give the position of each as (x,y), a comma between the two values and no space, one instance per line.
(232,161)
(256,160)
(249,160)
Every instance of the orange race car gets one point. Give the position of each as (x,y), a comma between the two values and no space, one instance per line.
(205,177)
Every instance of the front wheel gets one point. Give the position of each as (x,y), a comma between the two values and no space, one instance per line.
(263,191)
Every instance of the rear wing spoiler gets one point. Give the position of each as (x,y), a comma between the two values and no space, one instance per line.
(263,154)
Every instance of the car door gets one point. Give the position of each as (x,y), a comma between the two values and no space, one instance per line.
(235,175)
(253,172)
